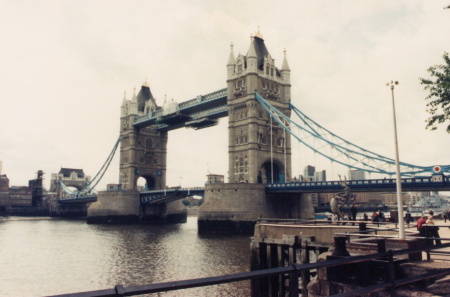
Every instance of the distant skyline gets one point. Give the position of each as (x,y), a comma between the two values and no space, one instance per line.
(65,66)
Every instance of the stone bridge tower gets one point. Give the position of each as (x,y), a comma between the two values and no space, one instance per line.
(143,151)
(259,149)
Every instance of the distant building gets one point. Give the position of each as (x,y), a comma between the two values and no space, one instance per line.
(315,199)
(370,199)
(309,173)
(215,179)
(113,187)
(37,191)
(70,177)
(321,175)
(354,174)
(20,196)
(4,183)
(4,192)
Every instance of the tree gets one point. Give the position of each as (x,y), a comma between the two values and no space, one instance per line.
(439,96)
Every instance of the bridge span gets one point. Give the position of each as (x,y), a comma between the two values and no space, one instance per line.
(425,183)
(428,183)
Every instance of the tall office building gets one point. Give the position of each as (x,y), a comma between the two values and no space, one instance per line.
(309,173)
(356,174)
(321,175)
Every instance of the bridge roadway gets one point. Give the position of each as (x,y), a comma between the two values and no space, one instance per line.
(201,112)
(429,183)
(168,195)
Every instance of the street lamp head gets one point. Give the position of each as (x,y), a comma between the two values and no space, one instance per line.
(392,83)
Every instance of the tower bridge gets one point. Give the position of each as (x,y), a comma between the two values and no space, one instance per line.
(257,102)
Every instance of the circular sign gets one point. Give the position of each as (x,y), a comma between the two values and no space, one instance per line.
(437,169)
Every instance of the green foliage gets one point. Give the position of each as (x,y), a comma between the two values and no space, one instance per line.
(186,202)
(439,94)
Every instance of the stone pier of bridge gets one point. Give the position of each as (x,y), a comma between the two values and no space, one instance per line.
(119,207)
(235,208)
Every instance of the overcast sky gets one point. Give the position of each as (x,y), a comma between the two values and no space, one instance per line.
(65,65)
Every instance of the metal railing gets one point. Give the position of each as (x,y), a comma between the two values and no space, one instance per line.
(294,271)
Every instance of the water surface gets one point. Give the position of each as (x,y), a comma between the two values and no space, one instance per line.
(47,257)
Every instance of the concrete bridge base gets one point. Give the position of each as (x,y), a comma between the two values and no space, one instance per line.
(69,211)
(235,208)
(122,207)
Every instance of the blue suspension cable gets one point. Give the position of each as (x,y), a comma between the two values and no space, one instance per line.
(347,152)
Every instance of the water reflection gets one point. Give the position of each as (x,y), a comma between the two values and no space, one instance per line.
(44,257)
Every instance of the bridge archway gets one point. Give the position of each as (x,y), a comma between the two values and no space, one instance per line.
(146,182)
(265,173)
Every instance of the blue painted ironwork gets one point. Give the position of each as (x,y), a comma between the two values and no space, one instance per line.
(207,107)
(87,193)
(341,151)
(168,195)
(204,111)
(424,183)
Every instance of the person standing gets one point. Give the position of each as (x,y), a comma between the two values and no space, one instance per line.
(375,218)
(380,216)
(408,217)
(433,230)
(353,212)
(420,226)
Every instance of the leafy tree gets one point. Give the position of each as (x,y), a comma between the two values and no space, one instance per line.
(439,87)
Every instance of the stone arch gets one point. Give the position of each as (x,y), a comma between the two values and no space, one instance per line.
(150,183)
(265,173)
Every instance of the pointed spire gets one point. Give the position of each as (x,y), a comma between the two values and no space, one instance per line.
(133,104)
(134,98)
(285,65)
(258,34)
(285,70)
(252,51)
(124,101)
(231,59)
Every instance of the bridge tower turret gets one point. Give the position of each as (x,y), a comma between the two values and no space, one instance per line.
(143,151)
(259,149)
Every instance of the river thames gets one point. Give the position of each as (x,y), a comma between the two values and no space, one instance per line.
(41,256)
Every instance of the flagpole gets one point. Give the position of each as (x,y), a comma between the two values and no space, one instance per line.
(401,225)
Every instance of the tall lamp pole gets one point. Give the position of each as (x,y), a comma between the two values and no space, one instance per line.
(401,225)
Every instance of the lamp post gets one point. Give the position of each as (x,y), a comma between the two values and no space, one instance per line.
(401,225)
